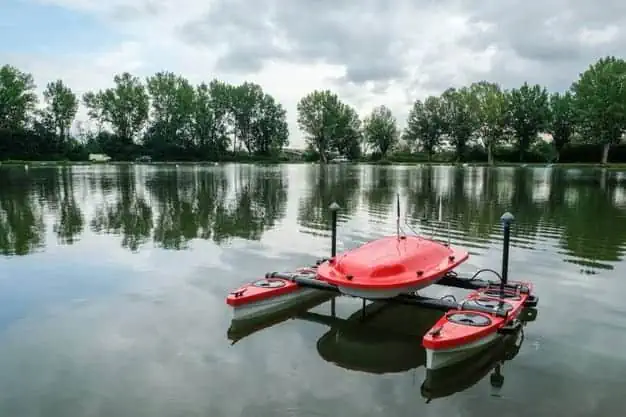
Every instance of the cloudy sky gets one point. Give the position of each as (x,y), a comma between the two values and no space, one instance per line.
(370,52)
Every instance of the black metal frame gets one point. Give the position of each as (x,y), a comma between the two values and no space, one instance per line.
(413,299)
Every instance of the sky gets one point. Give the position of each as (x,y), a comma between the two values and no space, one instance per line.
(370,52)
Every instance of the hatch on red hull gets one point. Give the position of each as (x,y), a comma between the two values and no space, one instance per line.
(390,266)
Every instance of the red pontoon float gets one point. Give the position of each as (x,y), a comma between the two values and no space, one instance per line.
(470,327)
(390,266)
(270,294)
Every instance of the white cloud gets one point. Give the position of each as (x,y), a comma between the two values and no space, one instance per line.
(370,52)
(595,37)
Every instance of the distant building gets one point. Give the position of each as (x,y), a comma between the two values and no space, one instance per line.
(545,136)
(338,160)
(293,153)
(99,157)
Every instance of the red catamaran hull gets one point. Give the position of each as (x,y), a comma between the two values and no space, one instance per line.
(268,295)
(461,332)
(387,267)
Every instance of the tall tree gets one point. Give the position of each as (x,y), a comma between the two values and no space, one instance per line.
(124,106)
(491,115)
(245,107)
(270,132)
(380,130)
(328,123)
(17,97)
(426,125)
(529,113)
(259,121)
(348,137)
(173,103)
(210,119)
(600,102)
(461,118)
(562,120)
(62,106)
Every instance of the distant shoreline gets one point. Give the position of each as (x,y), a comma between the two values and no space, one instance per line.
(617,166)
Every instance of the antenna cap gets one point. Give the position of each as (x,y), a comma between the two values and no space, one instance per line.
(507,218)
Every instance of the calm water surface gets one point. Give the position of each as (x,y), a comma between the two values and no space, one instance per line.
(112,286)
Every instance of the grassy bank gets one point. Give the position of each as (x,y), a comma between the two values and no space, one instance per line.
(165,163)
(34,164)
(617,166)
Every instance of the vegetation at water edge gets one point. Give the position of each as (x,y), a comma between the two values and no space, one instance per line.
(166,118)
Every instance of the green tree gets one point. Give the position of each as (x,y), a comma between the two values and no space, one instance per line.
(380,130)
(600,102)
(529,113)
(124,106)
(329,124)
(173,104)
(348,140)
(461,118)
(257,121)
(17,97)
(210,119)
(491,114)
(245,103)
(562,120)
(426,125)
(61,107)
(270,131)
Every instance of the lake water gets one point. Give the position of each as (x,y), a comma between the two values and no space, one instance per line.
(113,280)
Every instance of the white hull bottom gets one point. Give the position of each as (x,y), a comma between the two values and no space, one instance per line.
(274,304)
(441,358)
(386,293)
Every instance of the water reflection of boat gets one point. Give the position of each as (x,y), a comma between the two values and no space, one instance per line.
(380,338)
(385,338)
(241,328)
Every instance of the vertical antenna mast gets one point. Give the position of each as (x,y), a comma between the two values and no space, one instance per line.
(441,218)
(398,215)
(440,209)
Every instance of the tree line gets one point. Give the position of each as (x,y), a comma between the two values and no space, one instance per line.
(166,117)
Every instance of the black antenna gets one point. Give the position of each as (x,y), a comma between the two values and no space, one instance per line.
(334,207)
(506,219)
(398,215)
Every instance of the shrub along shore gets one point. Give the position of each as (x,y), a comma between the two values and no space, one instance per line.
(583,155)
